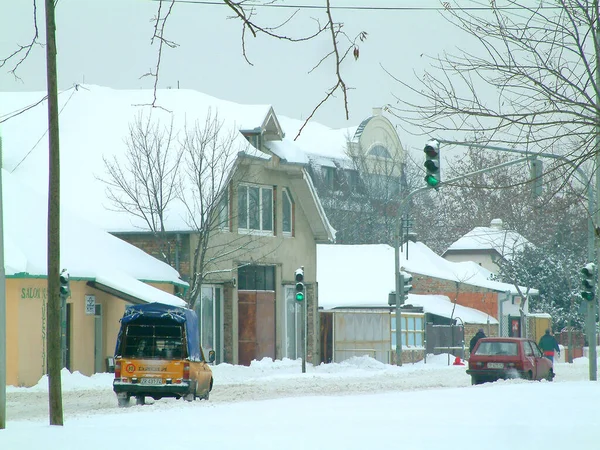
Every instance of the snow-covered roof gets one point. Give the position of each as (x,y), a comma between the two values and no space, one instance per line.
(319,140)
(505,242)
(86,251)
(94,123)
(363,275)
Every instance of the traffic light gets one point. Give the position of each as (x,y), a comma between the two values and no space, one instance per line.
(299,276)
(432,163)
(537,170)
(64,283)
(588,281)
(405,281)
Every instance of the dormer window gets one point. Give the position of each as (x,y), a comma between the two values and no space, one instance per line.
(255,139)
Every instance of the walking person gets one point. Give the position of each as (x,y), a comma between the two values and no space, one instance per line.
(480,334)
(549,345)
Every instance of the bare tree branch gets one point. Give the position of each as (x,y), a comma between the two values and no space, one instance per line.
(23,51)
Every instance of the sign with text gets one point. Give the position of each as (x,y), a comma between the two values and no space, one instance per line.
(90,305)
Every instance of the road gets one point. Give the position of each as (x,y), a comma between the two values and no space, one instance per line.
(31,404)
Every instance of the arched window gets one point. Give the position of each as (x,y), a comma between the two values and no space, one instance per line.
(381,151)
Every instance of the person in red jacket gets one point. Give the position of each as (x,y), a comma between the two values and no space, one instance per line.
(549,345)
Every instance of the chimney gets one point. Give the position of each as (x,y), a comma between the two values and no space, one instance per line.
(496,224)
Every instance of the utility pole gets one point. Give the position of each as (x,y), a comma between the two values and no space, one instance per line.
(54,301)
(592,306)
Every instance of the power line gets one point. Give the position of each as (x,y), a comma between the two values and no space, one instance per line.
(445,6)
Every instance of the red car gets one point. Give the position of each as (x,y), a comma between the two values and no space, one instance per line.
(505,357)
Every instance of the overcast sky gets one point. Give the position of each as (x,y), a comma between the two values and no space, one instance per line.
(108,43)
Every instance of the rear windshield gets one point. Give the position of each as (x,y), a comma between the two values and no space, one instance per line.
(497,348)
(153,341)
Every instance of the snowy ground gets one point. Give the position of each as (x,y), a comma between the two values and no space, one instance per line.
(357,404)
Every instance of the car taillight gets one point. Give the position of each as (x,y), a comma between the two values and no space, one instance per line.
(186,371)
(118,369)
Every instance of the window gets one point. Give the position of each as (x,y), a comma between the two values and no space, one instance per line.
(287,213)
(380,150)
(383,186)
(328,174)
(256,278)
(412,330)
(223,210)
(497,348)
(255,209)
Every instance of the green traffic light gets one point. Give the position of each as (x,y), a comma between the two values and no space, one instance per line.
(589,296)
(431,181)
(299,296)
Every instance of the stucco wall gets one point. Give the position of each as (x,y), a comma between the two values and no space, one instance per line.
(26,328)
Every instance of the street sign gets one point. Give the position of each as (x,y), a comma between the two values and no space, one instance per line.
(90,305)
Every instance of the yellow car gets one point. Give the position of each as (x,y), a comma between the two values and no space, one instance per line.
(158,354)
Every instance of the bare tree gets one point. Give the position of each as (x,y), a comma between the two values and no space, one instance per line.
(162,175)
(147,184)
(210,162)
(531,81)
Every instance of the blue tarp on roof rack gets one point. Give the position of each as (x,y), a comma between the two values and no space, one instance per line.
(184,316)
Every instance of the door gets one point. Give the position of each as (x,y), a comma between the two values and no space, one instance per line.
(514,326)
(98,348)
(256,326)
(209,313)
(256,313)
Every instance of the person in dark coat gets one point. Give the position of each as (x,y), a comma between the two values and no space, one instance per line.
(480,334)
(549,345)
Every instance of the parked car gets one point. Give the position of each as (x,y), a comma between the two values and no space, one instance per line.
(497,358)
(158,354)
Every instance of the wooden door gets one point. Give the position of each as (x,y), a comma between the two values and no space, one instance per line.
(256,325)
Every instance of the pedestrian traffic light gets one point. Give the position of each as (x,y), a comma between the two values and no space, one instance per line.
(588,281)
(432,163)
(64,283)
(299,276)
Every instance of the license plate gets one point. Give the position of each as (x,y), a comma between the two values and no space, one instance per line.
(151,381)
(495,366)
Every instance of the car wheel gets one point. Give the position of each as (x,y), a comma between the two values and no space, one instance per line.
(528,376)
(140,400)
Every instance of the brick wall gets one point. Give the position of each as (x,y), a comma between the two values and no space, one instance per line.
(408,356)
(228,323)
(475,297)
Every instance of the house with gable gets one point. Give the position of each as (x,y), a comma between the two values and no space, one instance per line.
(359,174)
(269,216)
(486,245)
